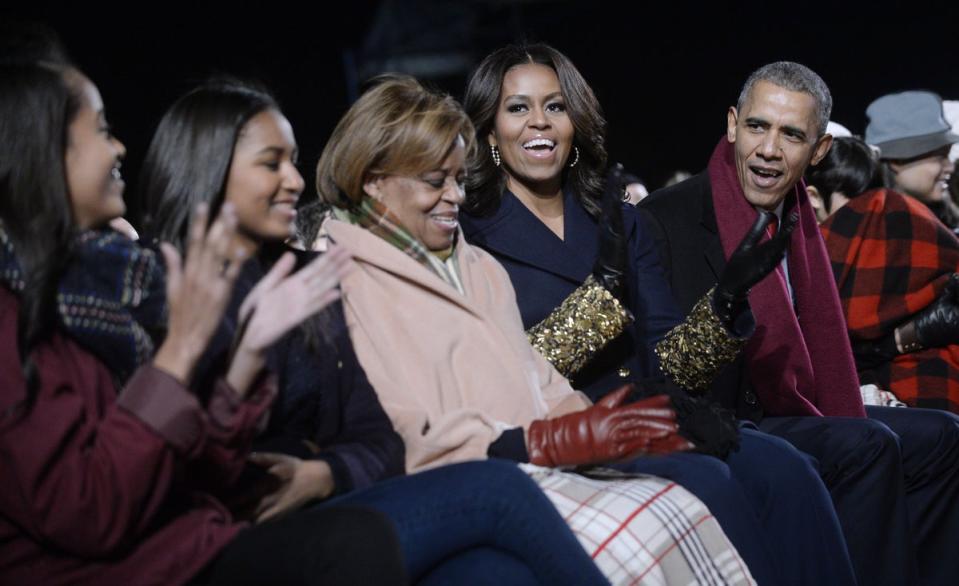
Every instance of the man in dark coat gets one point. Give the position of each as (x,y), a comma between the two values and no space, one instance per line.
(894,475)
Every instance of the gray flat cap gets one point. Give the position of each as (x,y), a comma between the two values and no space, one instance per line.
(908,124)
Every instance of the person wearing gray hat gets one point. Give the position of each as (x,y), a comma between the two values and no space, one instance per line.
(914,138)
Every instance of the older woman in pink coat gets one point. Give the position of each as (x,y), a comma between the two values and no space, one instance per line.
(435,325)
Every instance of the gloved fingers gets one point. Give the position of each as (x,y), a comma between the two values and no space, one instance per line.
(632,449)
(615,398)
(647,429)
(614,183)
(632,414)
(670,444)
(654,402)
(755,233)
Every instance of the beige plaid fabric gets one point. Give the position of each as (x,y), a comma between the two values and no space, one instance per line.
(643,529)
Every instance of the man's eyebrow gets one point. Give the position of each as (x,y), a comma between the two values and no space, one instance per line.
(759,121)
(795,131)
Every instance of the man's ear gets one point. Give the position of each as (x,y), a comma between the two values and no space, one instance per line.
(817,203)
(814,198)
(821,148)
(732,116)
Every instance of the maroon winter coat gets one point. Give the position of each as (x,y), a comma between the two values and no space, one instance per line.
(97,486)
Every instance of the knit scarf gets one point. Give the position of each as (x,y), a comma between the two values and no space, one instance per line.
(378,219)
(798,365)
(891,258)
(111,298)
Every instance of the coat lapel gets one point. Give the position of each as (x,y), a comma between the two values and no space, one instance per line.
(371,249)
(515,233)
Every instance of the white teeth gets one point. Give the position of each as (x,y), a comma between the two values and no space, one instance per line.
(446,220)
(115,173)
(536,142)
(766,173)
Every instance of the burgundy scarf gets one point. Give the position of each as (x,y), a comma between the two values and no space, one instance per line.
(798,366)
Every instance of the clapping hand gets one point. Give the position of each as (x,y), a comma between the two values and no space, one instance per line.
(199,290)
(278,303)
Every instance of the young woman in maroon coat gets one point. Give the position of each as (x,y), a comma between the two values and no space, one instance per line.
(97,487)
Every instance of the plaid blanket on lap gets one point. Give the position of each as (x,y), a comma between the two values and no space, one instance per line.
(643,530)
(891,257)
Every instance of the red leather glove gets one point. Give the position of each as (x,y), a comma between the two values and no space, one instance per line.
(605,432)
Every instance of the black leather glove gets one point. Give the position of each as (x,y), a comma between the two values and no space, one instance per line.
(610,267)
(711,428)
(938,324)
(749,263)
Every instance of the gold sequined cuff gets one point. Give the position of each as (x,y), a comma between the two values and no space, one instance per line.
(692,353)
(588,319)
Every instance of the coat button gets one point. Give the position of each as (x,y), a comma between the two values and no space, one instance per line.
(750,398)
(623,372)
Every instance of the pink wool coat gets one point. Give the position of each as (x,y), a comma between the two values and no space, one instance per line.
(451,371)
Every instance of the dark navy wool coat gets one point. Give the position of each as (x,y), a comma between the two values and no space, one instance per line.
(545,269)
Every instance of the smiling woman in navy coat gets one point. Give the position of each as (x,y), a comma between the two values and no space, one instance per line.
(534,202)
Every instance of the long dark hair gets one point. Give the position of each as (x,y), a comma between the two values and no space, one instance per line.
(486,182)
(37,104)
(188,161)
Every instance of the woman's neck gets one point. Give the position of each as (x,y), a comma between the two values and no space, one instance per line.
(250,245)
(544,201)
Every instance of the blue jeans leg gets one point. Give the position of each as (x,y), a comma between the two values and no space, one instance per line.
(446,511)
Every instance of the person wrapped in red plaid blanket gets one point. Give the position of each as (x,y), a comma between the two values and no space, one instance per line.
(895,265)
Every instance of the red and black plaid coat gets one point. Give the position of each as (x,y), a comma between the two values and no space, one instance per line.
(891,258)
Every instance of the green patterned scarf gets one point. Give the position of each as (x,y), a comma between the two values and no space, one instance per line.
(378,219)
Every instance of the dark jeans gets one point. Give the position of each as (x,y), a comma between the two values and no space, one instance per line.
(330,546)
(466,520)
(894,479)
(772,505)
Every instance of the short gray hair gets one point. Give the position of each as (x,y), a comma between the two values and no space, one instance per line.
(794,77)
